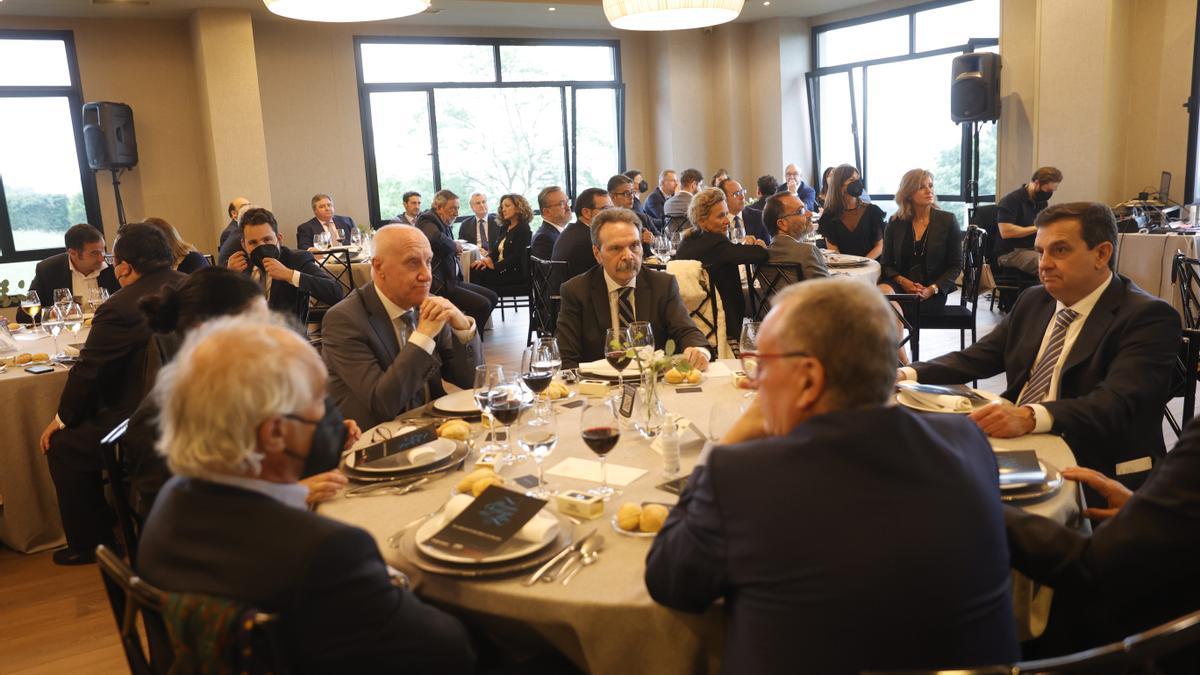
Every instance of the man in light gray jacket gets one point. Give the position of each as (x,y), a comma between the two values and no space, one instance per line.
(792,222)
(388,345)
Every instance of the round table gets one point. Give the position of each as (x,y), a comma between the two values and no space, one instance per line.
(867,270)
(29,520)
(606,614)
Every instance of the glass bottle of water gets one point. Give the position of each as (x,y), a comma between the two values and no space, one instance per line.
(668,438)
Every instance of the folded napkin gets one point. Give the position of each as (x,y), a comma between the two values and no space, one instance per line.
(533,532)
(601,367)
(940,401)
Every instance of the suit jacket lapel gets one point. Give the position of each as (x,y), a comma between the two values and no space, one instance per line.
(381,324)
(1098,321)
(643,302)
(599,294)
(1029,343)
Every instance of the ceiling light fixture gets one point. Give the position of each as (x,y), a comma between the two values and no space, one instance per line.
(551,9)
(670,14)
(343,11)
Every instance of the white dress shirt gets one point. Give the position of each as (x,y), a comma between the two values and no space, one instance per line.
(425,342)
(614,297)
(82,284)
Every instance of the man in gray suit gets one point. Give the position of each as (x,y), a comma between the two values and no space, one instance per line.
(617,292)
(389,344)
(675,209)
(792,221)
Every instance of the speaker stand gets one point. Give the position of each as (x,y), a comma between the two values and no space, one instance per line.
(116,173)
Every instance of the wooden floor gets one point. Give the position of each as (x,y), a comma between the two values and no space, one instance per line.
(57,620)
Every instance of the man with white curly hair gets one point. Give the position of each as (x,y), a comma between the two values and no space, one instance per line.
(242,407)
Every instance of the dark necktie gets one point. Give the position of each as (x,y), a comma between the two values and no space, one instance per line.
(1039,382)
(624,307)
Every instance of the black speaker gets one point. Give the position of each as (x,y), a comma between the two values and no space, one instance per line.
(975,87)
(108,135)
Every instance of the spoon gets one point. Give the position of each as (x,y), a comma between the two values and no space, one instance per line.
(587,555)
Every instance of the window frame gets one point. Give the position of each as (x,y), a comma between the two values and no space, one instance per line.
(74,95)
(567,89)
(859,135)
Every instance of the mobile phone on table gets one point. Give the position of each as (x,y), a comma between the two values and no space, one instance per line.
(39,370)
(674,486)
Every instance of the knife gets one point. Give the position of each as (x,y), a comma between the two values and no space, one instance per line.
(567,550)
(404,486)
(946,390)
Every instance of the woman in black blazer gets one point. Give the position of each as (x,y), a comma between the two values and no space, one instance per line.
(707,243)
(922,245)
(504,263)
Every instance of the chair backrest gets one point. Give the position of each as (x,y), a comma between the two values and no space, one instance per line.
(336,263)
(769,279)
(110,455)
(984,217)
(1169,643)
(129,597)
(700,296)
(1185,275)
(212,262)
(545,300)
(674,224)
(972,265)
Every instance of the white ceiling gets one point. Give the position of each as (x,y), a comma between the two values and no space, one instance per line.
(568,14)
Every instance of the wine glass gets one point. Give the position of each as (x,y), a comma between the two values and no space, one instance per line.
(737,234)
(601,431)
(487,376)
(616,349)
(355,236)
(539,364)
(52,321)
(748,348)
(73,318)
(63,297)
(504,404)
(676,240)
(641,334)
(32,306)
(538,438)
(95,297)
(662,248)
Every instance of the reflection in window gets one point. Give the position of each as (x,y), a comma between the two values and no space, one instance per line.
(403,159)
(596,131)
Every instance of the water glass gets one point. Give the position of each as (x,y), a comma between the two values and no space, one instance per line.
(538,441)
(52,322)
(63,297)
(737,234)
(487,376)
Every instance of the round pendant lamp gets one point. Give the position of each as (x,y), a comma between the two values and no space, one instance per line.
(343,11)
(670,14)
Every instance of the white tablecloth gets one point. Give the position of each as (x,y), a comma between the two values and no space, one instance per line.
(868,273)
(1147,260)
(606,614)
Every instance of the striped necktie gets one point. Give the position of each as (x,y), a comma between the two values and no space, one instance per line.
(624,307)
(1039,382)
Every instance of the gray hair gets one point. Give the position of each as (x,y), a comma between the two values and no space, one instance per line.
(703,203)
(859,354)
(441,197)
(613,214)
(230,375)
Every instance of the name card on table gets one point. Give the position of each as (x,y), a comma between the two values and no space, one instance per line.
(493,518)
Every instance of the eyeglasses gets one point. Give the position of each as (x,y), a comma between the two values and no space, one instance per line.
(623,193)
(751,358)
(739,193)
(798,212)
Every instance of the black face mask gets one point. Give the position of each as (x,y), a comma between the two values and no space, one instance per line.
(262,252)
(328,439)
(1042,196)
(643,186)
(855,189)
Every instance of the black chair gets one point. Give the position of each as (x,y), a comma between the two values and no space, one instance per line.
(130,596)
(543,314)
(337,264)
(1009,282)
(910,317)
(1184,380)
(961,317)
(118,481)
(212,262)
(767,280)
(707,326)
(516,295)
(1185,275)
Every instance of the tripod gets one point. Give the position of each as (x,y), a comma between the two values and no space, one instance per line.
(116,180)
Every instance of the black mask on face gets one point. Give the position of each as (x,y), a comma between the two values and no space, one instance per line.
(855,189)
(262,252)
(643,186)
(1042,196)
(328,439)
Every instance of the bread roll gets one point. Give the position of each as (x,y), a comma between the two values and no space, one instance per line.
(23,358)
(629,516)
(653,517)
(468,481)
(483,483)
(455,429)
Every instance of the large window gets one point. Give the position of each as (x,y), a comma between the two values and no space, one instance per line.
(880,99)
(45,186)
(491,116)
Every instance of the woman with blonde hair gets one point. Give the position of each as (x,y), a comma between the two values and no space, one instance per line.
(706,242)
(922,246)
(849,224)
(187,258)
(504,264)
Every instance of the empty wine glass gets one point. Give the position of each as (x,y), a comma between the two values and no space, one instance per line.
(73,319)
(538,440)
(96,297)
(32,306)
(487,376)
(662,248)
(52,321)
(737,234)
(355,236)
(63,297)
(748,348)
(600,430)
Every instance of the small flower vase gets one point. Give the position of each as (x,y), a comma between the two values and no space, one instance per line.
(648,413)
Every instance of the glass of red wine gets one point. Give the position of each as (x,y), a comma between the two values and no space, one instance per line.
(601,431)
(539,364)
(505,402)
(617,344)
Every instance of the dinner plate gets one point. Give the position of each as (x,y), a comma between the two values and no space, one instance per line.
(447,465)
(1030,491)
(637,534)
(418,457)
(510,550)
(904,399)
(408,549)
(458,403)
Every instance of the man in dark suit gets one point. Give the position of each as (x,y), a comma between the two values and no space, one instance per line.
(639,188)
(80,268)
(288,277)
(556,213)
(735,197)
(621,191)
(412,208)
(773,519)
(767,186)
(469,230)
(617,292)
(324,221)
(115,368)
(796,185)
(667,184)
(389,344)
(243,419)
(1088,355)
(473,299)
(232,228)
(1138,569)
(574,245)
